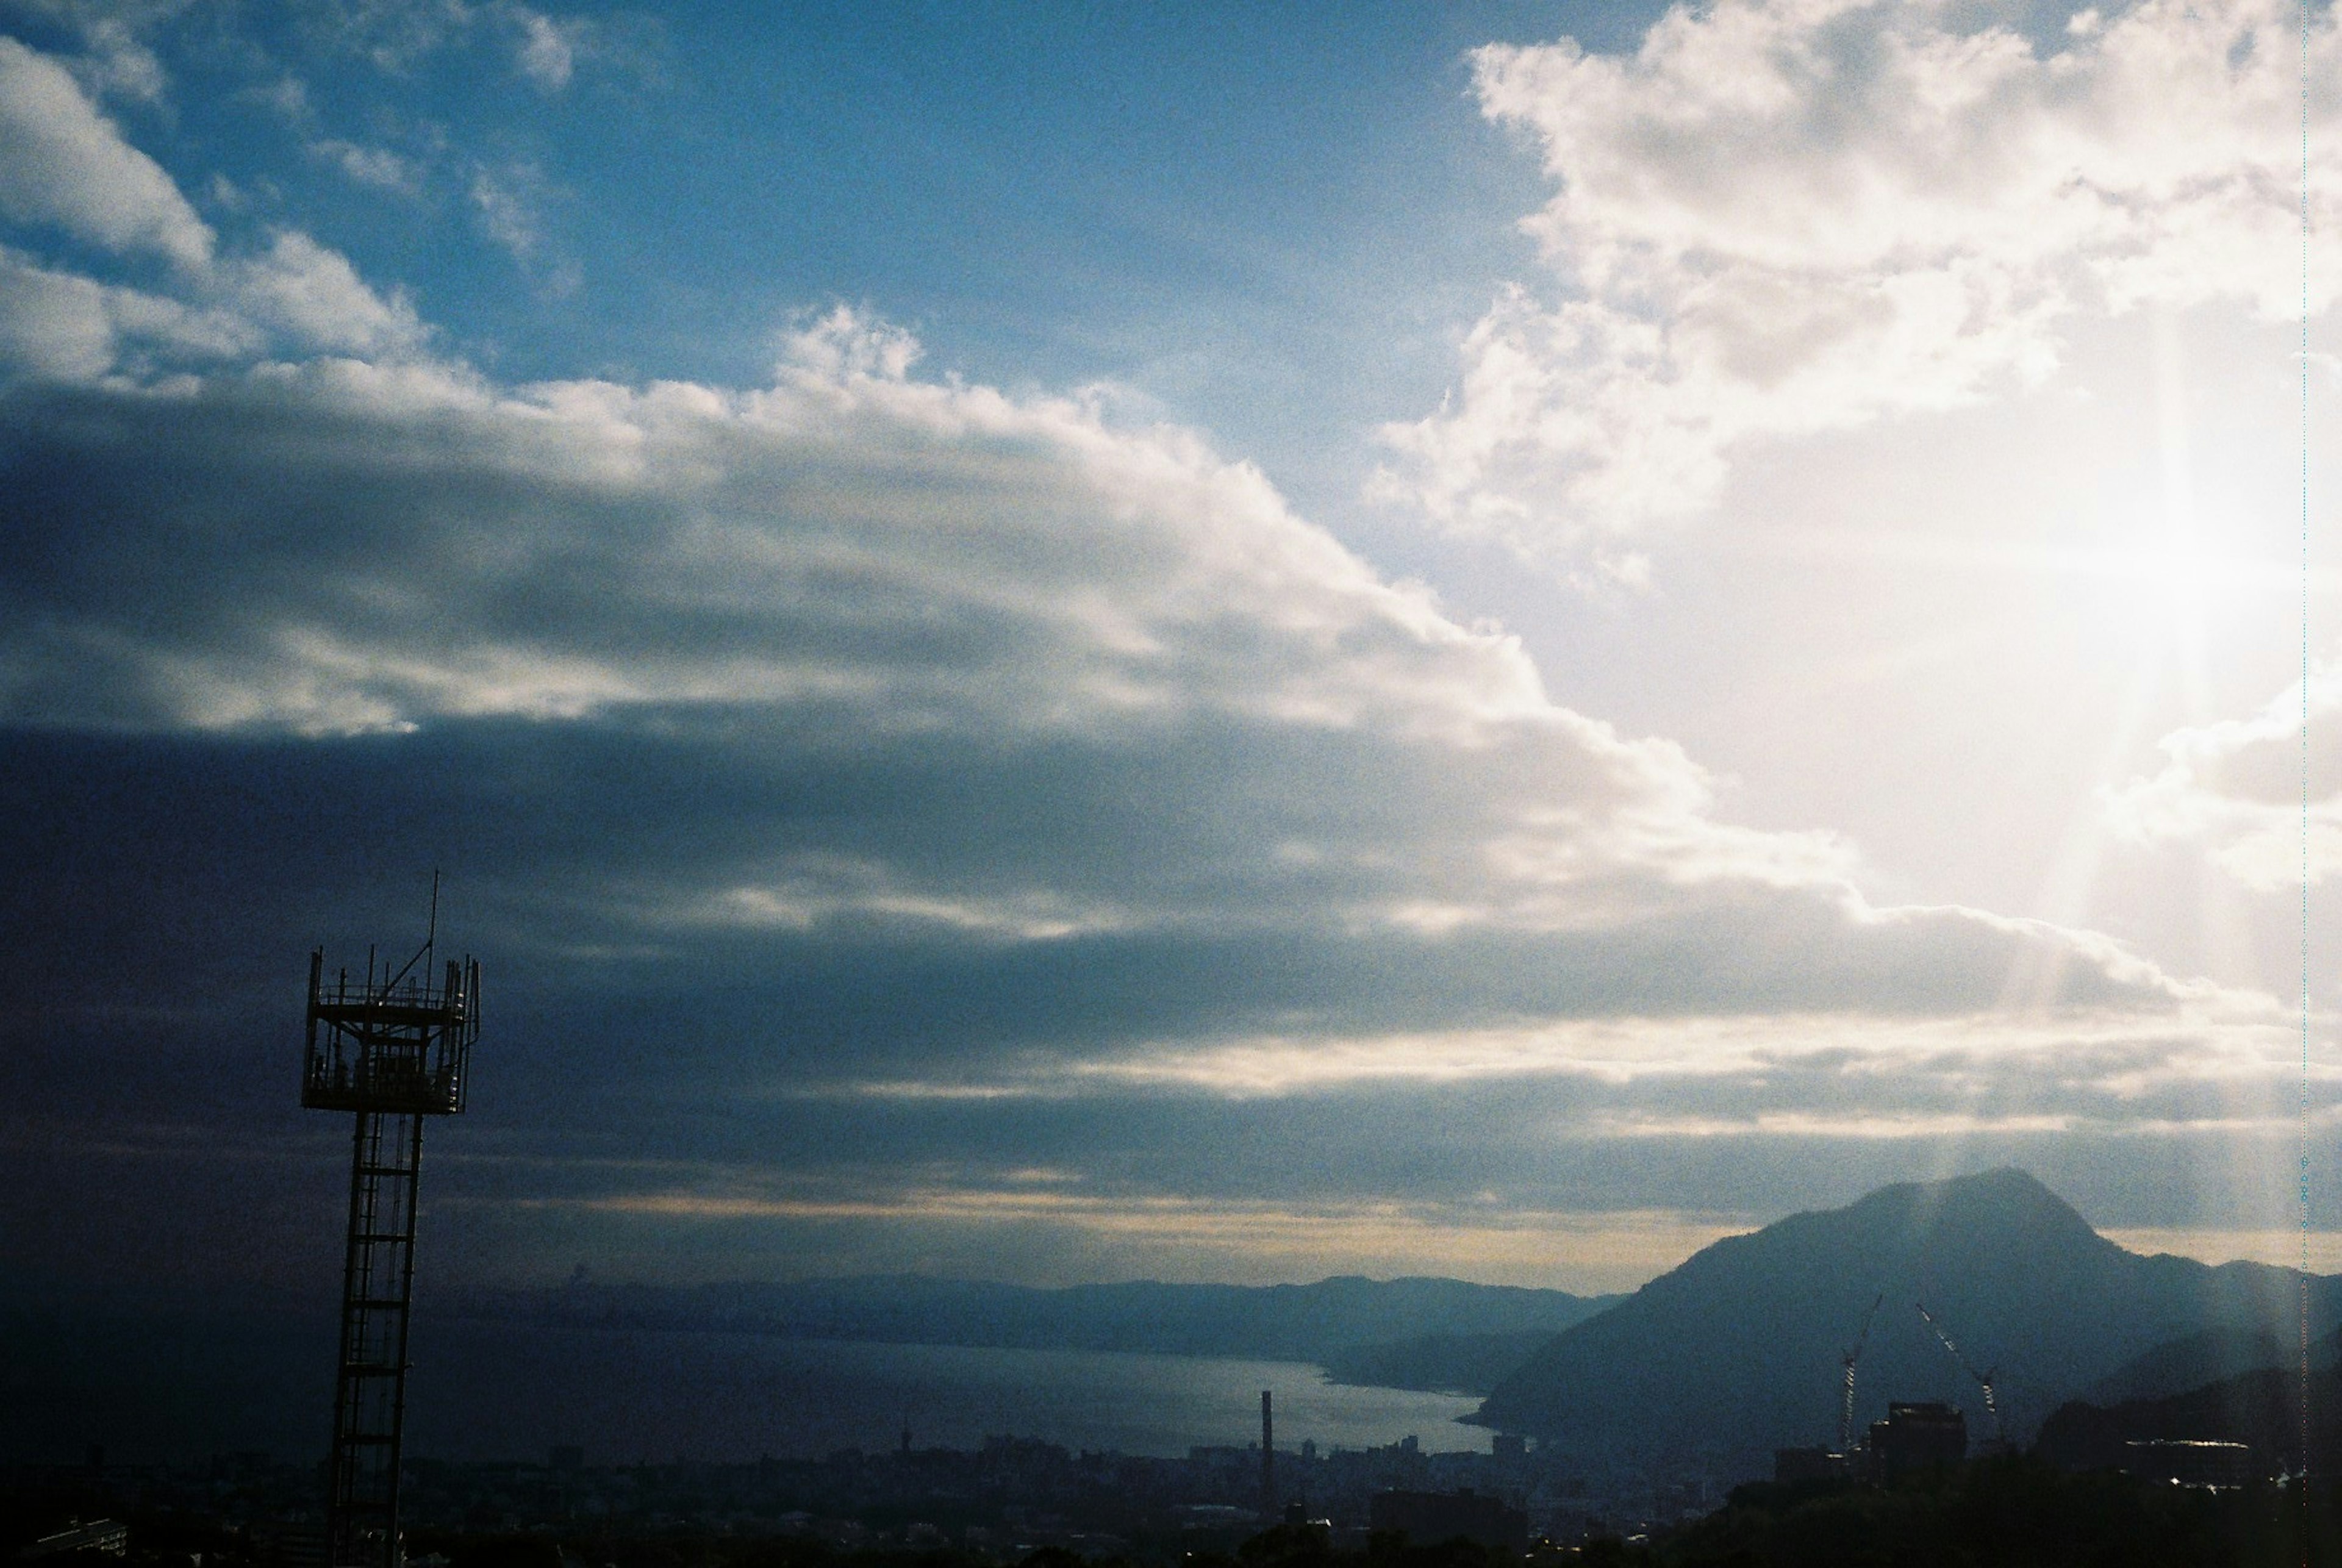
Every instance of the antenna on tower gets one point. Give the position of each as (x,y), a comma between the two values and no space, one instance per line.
(430,940)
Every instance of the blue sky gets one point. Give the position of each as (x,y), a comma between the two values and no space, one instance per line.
(1048,197)
(1065,642)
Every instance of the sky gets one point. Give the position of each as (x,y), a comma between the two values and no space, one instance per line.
(1065,642)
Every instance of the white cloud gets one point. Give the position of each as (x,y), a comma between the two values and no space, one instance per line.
(548,49)
(53,326)
(2235,791)
(507,215)
(118,65)
(1236,722)
(376,167)
(313,294)
(287,96)
(1778,219)
(63,163)
(393,33)
(59,327)
(1171,804)
(117,62)
(1128,576)
(1172,709)
(2081,1066)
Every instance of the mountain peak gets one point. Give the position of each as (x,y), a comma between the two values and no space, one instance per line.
(2001,1185)
(2005,1195)
(1745,1337)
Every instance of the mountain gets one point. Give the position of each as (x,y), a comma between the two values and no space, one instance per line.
(1444,1362)
(1311,1323)
(1737,1351)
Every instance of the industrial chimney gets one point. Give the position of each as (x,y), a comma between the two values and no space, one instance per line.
(1267,1460)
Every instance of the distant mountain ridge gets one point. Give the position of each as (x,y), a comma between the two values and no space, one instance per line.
(1412,1329)
(1736,1352)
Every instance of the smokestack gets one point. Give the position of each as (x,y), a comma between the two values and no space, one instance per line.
(1267,1458)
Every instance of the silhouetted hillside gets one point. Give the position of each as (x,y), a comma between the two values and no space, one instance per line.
(2192,1361)
(1449,1363)
(2261,1407)
(1736,1352)
(2004,1511)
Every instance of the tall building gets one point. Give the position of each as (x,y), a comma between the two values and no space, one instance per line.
(1915,1435)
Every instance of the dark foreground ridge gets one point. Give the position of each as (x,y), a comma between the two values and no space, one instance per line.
(2006,1510)
(2012,1510)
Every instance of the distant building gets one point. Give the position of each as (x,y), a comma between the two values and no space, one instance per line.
(1429,1518)
(1915,1435)
(2184,1463)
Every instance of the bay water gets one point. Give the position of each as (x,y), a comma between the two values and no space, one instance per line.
(505,1391)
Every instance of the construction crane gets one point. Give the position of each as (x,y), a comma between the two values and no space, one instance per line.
(1984,1379)
(1845,1414)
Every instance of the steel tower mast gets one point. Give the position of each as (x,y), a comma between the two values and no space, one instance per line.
(392,1051)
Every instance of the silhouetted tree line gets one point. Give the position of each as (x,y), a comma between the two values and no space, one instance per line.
(2005,1513)
(1285,1546)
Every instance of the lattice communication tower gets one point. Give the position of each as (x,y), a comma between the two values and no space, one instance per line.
(392,1050)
